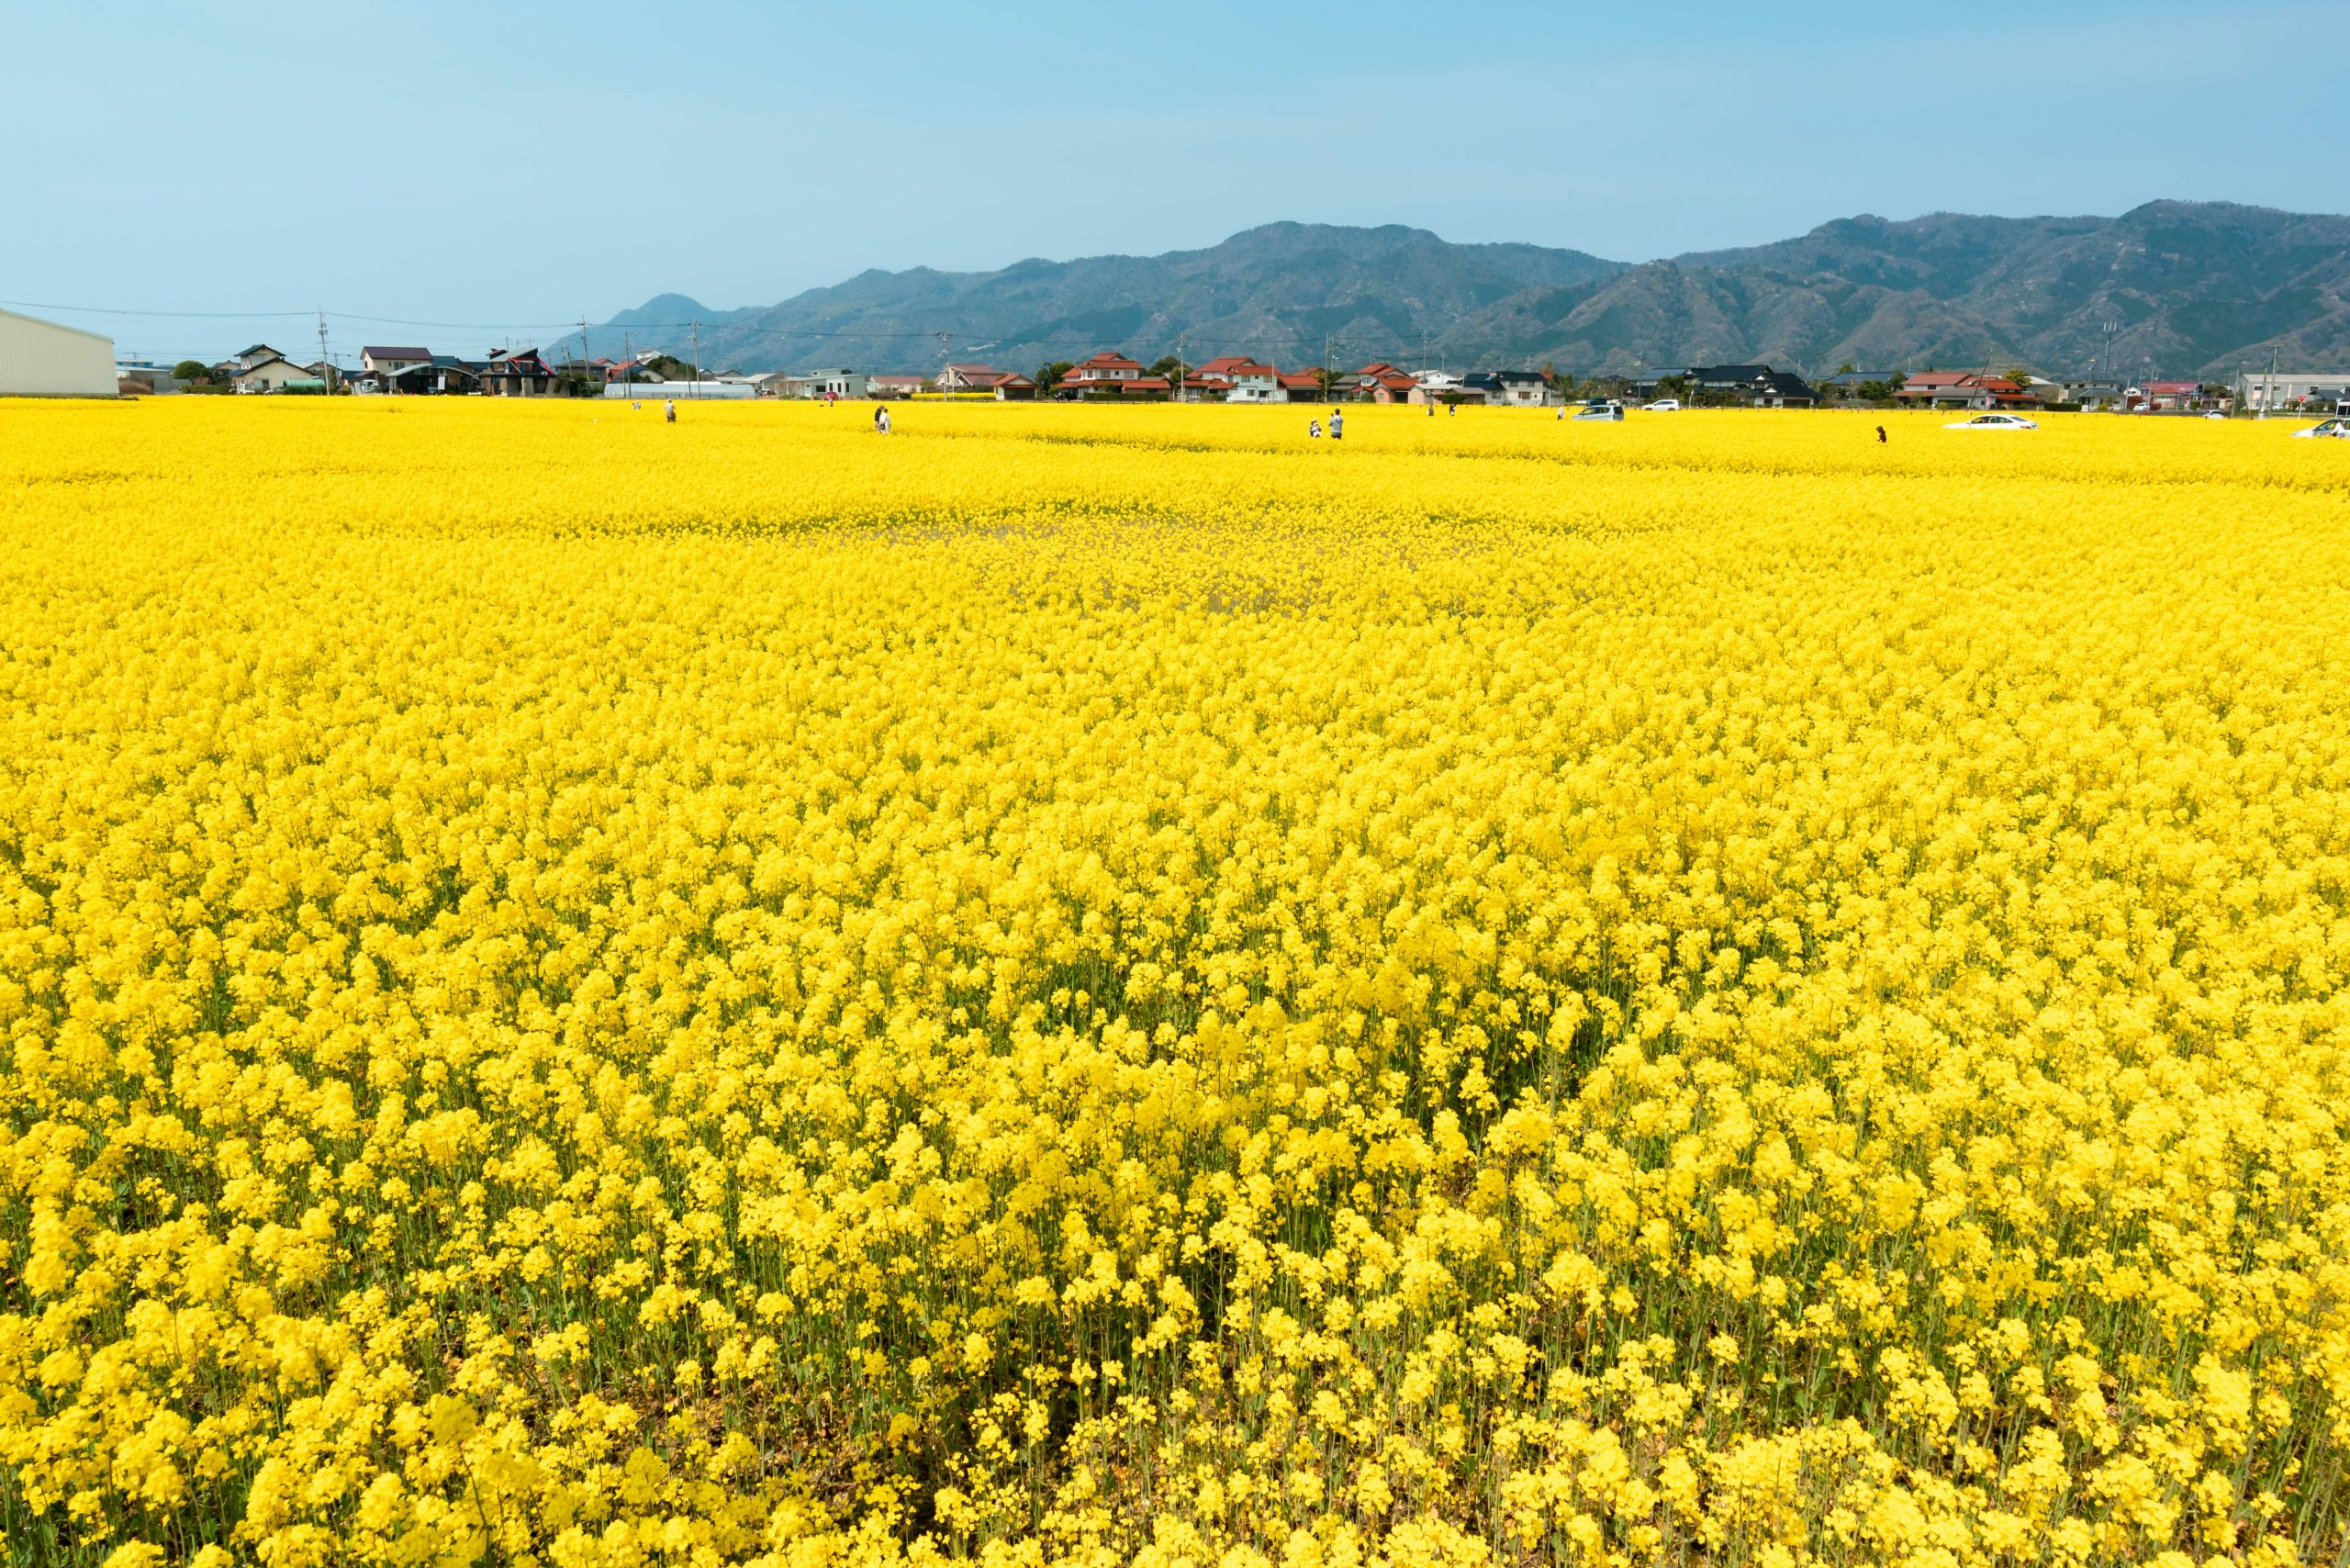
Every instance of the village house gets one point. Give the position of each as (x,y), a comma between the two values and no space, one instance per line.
(1202,387)
(374,360)
(1510,389)
(888,385)
(1758,385)
(2178,397)
(247,359)
(1006,385)
(1106,372)
(437,375)
(1379,382)
(272,373)
(1960,389)
(1302,386)
(970,378)
(517,374)
(2088,392)
(1252,382)
(820,384)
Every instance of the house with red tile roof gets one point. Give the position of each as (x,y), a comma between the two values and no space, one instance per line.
(2171,396)
(1961,389)
(1378,382)
(1104,372)
(1302,386)
(1254,383)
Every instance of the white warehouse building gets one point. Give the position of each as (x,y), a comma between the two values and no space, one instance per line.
(41,359)
(2300,390)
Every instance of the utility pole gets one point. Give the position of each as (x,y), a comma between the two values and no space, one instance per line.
(628,364)
(583,352)
(695,328)
(2268,387)
(326,371)
(945,396)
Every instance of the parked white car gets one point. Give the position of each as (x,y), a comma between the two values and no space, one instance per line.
(1601,411)
(1661,406)
(1994,422)
(2330,427)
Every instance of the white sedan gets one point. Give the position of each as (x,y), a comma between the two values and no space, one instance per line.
(2331,426)
(1994,422)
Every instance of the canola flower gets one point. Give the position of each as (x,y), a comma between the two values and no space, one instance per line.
(1099,986)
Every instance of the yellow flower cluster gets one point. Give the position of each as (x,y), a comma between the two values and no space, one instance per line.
(1108,986)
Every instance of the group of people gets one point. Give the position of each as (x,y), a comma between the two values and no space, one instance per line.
(1337,427)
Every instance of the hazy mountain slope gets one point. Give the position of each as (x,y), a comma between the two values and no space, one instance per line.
(2188,288)
(1276,291)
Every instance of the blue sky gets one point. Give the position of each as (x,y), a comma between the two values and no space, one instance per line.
(499,166)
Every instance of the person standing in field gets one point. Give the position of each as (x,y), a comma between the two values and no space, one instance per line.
(881,421)
(669,411)
(1338,424)
(1880,435)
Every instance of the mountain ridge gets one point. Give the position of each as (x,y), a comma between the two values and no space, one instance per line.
(2197,289)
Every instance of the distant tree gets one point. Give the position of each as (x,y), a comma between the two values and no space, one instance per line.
(1845,368)
(669,367)
(1676,386)
(1167,365)
(2017,375)
(192,370)
(1326,378)
(1875,391)
(1049,376)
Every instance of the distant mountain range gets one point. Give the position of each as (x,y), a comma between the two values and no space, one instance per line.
(2179,288)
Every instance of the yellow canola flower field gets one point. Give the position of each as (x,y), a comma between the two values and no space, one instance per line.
(1107,986)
